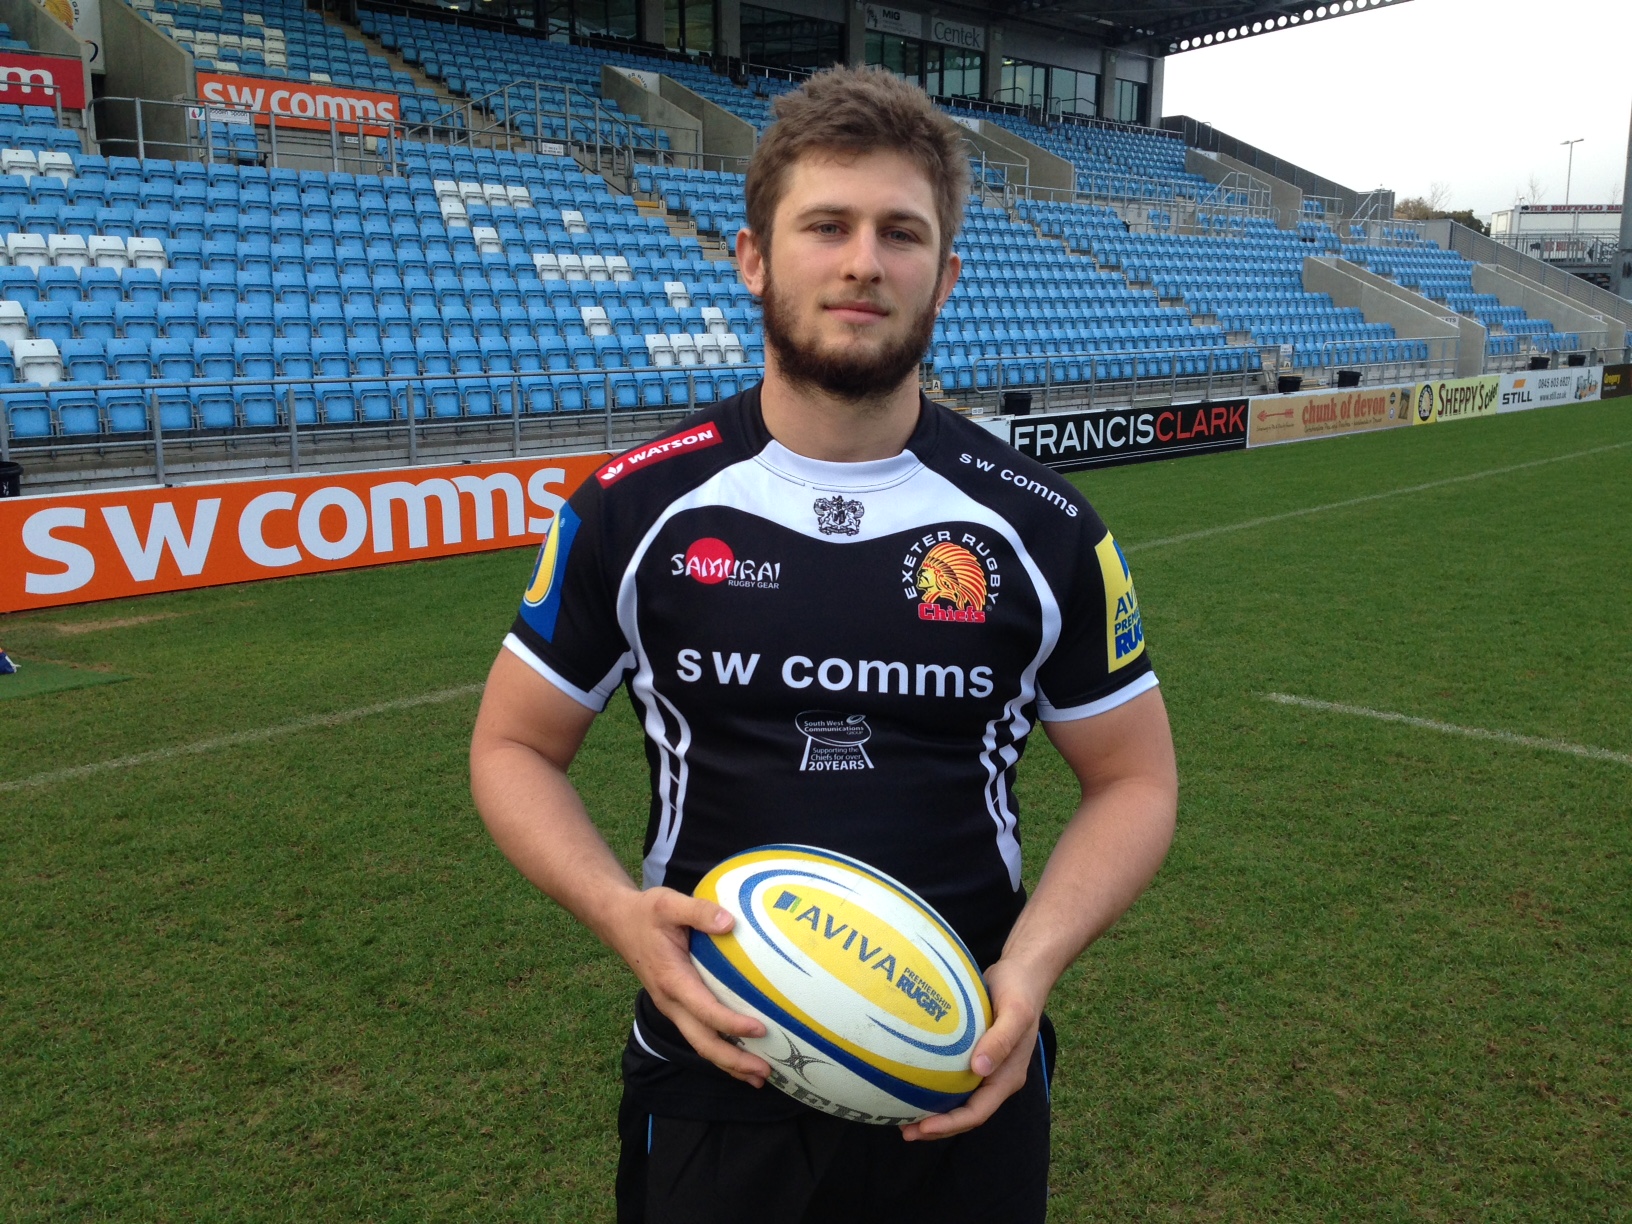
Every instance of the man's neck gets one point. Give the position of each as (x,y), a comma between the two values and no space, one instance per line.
(811,422)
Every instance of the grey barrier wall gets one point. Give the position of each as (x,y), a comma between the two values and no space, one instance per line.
(1046,170)
(1475,246)
(1412,316)
(1206,137)
(725,135)
(635,100)
(143,63)
(1284,197)
(1512,290)
(43,32)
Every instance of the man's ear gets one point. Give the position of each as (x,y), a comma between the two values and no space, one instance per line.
(949,278)
(750,262)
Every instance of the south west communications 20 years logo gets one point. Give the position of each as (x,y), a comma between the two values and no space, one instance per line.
(953,578)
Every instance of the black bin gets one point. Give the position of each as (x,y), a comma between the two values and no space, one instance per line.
(1541,363)
(1576,359)
(1017,403)
(11,479)
(1348,378)
(1289,384)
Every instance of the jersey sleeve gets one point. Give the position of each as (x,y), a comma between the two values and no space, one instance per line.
(567,629)
(1100,660)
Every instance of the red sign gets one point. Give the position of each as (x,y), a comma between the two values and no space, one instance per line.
(302,104)
(38,80)
(705,435)
(80,547)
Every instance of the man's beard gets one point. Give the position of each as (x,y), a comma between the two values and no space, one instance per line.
(851,376)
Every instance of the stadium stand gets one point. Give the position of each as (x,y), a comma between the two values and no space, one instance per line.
(481,281)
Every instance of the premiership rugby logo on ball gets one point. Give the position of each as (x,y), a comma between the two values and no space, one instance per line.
(871,1004)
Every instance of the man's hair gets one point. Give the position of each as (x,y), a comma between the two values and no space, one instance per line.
(853,111)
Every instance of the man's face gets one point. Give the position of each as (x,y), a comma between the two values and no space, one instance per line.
(854,281)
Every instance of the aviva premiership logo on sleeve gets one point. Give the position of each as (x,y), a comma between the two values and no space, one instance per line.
(1124,634)
(542,602)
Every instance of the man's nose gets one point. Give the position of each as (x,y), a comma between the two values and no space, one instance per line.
(862,261)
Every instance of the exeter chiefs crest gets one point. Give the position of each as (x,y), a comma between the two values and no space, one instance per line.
(837,516)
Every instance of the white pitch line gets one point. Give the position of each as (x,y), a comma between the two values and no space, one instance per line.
(1480,733)
(238,738)
(1205,532)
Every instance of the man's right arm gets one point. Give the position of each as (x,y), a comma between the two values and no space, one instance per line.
(527,733)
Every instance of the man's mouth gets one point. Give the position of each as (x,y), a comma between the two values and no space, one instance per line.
(856,312)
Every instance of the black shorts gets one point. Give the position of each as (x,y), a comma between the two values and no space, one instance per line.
(817,1169)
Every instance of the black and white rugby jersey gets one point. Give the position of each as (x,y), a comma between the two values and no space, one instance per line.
(844,655)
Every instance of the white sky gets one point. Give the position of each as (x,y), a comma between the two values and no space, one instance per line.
(1475,94)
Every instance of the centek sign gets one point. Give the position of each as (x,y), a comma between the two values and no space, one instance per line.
(1090,439)
(303,104)
(77,548)
(38,80)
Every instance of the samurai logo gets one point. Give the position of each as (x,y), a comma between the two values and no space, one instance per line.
(837,516)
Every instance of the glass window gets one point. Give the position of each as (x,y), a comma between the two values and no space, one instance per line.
(945,72)
(1130,102)
(688,25)
(1021,83)
(1073,93)
(783,40)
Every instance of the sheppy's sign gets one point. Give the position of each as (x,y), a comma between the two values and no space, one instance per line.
(303,104)
(83,547)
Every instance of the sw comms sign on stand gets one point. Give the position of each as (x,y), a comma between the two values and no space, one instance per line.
(1070,440)
(38,80)
(301,104)
(82,547)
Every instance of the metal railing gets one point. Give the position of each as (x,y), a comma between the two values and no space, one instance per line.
(302,415)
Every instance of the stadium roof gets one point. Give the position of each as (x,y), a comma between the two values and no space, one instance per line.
(1184,25)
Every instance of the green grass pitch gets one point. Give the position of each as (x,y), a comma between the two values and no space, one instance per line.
(1386,973)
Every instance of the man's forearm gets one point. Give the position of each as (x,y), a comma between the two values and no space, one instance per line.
(539,822)
(1110,850)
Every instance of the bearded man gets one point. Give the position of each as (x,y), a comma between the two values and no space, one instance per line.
(831,542)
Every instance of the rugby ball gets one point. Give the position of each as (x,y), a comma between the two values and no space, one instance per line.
(871,1003)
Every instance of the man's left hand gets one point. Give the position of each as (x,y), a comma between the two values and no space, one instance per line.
(1001,1056)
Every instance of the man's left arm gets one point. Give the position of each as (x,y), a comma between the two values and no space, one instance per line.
(1110,850)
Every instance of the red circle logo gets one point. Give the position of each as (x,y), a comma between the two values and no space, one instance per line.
(710,560)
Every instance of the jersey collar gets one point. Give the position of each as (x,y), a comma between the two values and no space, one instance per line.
(871,474)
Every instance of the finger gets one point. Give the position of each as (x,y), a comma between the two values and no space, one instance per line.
(688,992)
(706,916)
(980,1106)
(1010,1028)
(732,1059)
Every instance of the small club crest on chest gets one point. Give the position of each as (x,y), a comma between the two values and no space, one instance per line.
(838,515)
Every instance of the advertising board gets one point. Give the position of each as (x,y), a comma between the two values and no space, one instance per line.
(1617,382)
(1325,414)
(84,18)
(302,104)
(81,547)
(887,19)
(1072,440)
(1455,399)
(1526,389)
(36,80)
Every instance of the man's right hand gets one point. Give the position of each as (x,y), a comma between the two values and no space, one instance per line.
(653,935)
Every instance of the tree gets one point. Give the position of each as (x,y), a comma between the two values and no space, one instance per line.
(1431,207)
(1535,191)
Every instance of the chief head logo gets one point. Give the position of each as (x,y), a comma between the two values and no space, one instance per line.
(838,515)
(950,575)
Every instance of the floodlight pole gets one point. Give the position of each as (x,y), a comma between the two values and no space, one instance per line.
(1621,273)
(1569,166)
